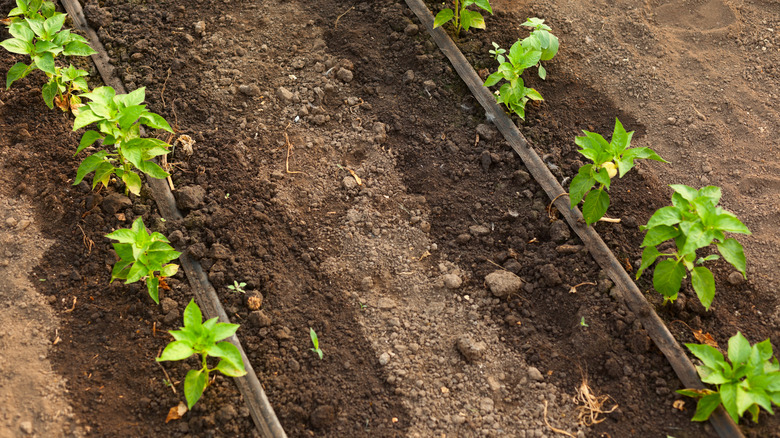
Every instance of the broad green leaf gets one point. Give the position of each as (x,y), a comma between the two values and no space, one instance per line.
(192,315)
(123,250)
(712,376)
(77,48)
(602,176)
(15,45)
(103,174)
(710,356)
(155,121)
(224,330)
(620,138)
(89,164)
(152,286)
(133,182)
(47,9)
(128,115)
(532,94)
(469,19)
(22,31)
(53,24)
(194,385)
(229,368)
(87,140)
(695,238)
(137,272)
(687,192)
(122,235)
(730,224)
(176,350)
(493,79)
(84,118)
(442,17)
(542,72)
(706,406)
(713,193)
(649,255)
(45,62)
(153,170)
(739,349)
(659,234)
(484,4)
(169,270)
(595,205)
(101,95)
(120,270)
(49,91)
(665,216)
(704,284)
(709,258)
(667,278)
(36,24)
(16,72)
(580,185)
(728,396)
(732,251)
(551,49)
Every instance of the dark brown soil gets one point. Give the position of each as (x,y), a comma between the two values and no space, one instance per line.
(324,252)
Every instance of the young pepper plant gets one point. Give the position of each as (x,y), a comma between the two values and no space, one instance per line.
(119,119)
(539,46)
(198,337)
(462,17)
(42,38)
(693,221)
(609,160)
(141,255)
(750,382)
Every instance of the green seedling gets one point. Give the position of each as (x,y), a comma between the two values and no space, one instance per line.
(40,35)
(237,287)
(750,382)
(31,9)
(462,17)
(540,45)
(693,221)
(198,337)
(498,53)
(609,160)
(141,255)
(119,119)
(583,323)
(316,342)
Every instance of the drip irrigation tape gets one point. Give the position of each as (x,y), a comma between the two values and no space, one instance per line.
(630,293)
(252,391)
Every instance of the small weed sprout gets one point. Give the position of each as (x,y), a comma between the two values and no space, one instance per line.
(583,323)
(237,287)
(316,342)
(198,337)
(462,17)
(749,383)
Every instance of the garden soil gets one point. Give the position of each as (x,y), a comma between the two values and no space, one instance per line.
(341,170)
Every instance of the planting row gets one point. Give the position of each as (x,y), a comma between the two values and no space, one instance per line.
(674,234)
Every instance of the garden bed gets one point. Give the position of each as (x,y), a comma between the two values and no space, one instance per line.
(369,266)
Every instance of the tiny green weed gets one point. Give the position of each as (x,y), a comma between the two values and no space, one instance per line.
(237,287)
(316,342)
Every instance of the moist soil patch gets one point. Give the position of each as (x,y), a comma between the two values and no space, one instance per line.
(351,182)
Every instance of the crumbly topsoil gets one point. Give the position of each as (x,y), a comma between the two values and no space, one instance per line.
(343,172)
